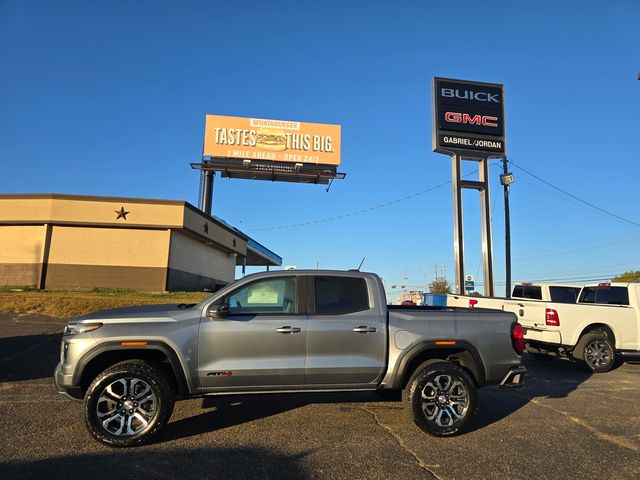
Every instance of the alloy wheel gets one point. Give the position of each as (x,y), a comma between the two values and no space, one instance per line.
(126,407)
(445,401)
(597,353)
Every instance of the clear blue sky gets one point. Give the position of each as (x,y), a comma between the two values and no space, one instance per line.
(109,98)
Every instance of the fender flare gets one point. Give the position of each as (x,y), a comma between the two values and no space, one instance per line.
(412,353)
(581,329)
(183,384)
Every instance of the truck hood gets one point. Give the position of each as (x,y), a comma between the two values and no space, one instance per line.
(142,312)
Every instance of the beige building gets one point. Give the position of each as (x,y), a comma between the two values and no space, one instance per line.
(72,241)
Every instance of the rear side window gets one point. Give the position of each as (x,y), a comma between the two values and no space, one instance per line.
(527,291)
(606,295)
(564,294)
(337,295)
(534,293)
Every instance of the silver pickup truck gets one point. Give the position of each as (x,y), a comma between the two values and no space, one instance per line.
(286,331)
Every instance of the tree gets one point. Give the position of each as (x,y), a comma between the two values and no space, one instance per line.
(440,286)
(628,277)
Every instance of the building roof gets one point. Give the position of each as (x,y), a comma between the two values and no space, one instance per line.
(126,212)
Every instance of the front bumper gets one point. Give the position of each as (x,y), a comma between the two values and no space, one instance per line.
(514,378)
(64,385)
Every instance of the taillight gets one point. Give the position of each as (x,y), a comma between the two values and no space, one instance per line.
(472,303)
(517,338)
(551,317)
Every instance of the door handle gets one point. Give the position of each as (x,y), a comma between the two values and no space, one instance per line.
(288,329)
(365,329)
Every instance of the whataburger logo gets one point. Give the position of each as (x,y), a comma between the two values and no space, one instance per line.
(281,124)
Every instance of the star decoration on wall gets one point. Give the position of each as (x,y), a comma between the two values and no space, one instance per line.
(121,213)
(206,227)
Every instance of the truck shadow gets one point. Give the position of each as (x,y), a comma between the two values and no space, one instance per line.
(228,410)
(210,462)
(554,379)
(28,357)
(544,379)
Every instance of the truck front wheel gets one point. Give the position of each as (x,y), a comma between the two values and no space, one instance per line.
(127,404)
(441,398)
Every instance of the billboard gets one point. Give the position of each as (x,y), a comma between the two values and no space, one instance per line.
(268,140)
(468,116)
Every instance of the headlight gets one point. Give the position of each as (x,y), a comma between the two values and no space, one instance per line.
(77,329)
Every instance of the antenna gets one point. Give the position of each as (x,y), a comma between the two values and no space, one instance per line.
(360,266)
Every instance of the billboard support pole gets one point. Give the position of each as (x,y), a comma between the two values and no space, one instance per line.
(207,191)
(458,225)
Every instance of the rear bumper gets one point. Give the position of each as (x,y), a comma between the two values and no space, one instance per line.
(514,378)
(542,336)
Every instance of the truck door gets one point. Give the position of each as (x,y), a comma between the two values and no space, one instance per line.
(346,333)
(260,342)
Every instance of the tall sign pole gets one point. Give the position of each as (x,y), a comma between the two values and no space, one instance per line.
(468,124)
(506,179)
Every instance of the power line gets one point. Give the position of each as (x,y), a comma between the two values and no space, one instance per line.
(589,204)
(361,211)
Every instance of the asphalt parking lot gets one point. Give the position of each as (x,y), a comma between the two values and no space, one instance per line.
(565,423)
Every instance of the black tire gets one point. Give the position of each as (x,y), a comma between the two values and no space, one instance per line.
(597,352)
(126,395)
(440,381)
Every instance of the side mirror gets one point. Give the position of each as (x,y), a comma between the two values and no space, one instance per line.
(218,311)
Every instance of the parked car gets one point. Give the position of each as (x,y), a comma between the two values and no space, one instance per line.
(602,326)
(286,331)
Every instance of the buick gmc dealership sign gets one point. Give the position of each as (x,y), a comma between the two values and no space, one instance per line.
(468,116)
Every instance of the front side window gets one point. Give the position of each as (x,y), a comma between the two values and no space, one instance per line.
(605,295)
(339,295)
(615,295)
(273,295)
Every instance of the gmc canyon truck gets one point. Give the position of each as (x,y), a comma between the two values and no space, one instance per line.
(602,326)
(285,331)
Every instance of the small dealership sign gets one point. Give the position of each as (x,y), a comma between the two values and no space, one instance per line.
(263,140)
(468,116)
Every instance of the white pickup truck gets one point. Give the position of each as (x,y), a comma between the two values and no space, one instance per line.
(602,326)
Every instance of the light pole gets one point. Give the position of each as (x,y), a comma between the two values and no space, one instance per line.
(507,179)
(424,272)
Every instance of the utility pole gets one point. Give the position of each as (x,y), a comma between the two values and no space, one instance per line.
(506,179)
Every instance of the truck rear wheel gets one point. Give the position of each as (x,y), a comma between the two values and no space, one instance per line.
(597,352)
(127,404)
(441,398)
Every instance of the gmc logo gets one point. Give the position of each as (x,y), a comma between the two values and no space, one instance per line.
(486,120)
